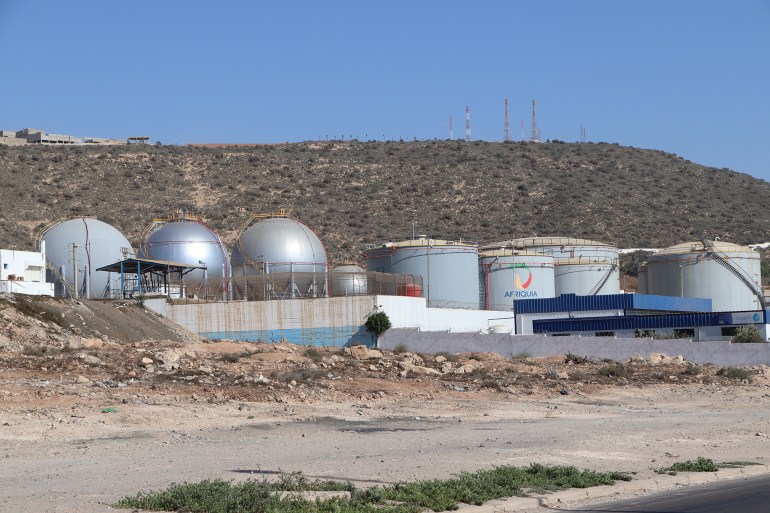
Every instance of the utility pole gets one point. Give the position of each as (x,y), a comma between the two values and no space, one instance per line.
(467,124)
(451,131)
(75,269)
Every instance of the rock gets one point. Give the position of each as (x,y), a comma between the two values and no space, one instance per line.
(406,364)
(147,361)
(92,360)
(360,352)
(168,359)
(205,369)
(446,367)
(132,374)
(374,354)
(440,359)
(95,343)
(659,358)
(417,370)
(82,379)
(678,359)
(465,369)
(75,344)
(262,379)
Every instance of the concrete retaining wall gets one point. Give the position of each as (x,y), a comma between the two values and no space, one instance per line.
(716,352)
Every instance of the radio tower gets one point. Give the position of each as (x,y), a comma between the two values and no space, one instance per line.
(535,132)
(507,130)
(451,132)
(522,130)
(467,124)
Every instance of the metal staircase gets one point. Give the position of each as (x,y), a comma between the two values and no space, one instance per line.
(712,253)
(69,288)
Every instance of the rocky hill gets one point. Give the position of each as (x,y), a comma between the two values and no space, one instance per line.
(357,192)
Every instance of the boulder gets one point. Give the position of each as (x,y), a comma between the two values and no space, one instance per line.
(423,371)
(659,359)
(440,359)
(95,343)
(168,359)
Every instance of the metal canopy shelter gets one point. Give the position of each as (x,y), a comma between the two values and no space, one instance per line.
(150,275)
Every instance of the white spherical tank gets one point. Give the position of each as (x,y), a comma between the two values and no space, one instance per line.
(583,267)
(86,244)
(185,239)
(508,274)
(449,269)
(286,250)
(728,274)
(348,280)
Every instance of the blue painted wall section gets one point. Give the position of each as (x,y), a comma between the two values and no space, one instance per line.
(574,303)
(642,322)
(326,337)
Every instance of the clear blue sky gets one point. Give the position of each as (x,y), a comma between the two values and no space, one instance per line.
(689,77)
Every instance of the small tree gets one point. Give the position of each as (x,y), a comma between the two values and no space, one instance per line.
(748,334)
(378,323)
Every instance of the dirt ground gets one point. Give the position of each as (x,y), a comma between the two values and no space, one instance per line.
(86,420)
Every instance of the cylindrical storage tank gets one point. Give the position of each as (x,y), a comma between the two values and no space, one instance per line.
(586,277)
(348,280)
(641,280)
(728,274)
(508,274)
(88,244)
(287,257)
(449,269)
(583,267)
(185,239)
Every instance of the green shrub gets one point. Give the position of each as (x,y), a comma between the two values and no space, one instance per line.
(699,465)
(748,334)
(378,323)
(614,370)
(734,373)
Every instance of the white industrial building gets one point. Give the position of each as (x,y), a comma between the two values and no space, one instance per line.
(23,272)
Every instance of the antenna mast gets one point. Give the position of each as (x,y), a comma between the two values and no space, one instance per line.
(535,132)
(467,124)
(522,130)
(451,131)
(507,129)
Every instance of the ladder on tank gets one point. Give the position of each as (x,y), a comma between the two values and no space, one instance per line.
(713,254)
(69,287)
(603,280)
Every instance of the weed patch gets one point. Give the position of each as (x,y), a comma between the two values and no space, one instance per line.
(699,465)
(217,496)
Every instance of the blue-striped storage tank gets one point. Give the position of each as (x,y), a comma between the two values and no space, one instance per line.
(449,269)
(727,273)
(509,274)
(583,267)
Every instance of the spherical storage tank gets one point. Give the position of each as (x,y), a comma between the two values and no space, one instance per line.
(509,274)
(727,273)
(185,239)
(288,257)
(582,267)
(449,269)
(348,280)
(96,244)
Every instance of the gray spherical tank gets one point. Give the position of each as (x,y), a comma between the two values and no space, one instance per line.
(583,267)
(348,280)
(184,238)
(449,269)
(96,244)
(508,274)
(286,250)
(728,274)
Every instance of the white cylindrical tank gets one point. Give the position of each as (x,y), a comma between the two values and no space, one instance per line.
(583,267)
(348,280)
(509,274)
(87,243)
(288,251)
(449,269)
(728,274)
(185,239)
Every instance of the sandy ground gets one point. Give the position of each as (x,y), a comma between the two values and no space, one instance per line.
(91,410)
(64,454)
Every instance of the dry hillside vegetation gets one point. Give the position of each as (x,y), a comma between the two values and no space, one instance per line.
(357,192)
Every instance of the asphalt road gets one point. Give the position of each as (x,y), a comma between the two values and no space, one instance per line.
(738,495)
